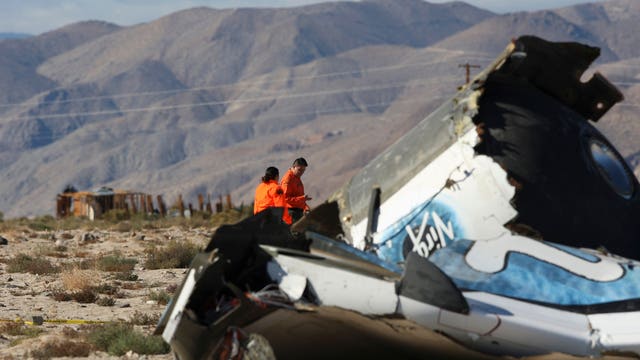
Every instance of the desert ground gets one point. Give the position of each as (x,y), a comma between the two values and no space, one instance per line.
(76,279)
(59,288)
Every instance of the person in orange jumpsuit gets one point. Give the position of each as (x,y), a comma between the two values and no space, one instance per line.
(270,194)
(294,189)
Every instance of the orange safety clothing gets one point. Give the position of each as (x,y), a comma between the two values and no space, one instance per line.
(270,194)
(294,191)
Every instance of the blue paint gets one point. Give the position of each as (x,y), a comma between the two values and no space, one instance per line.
(391,240)
(525,277)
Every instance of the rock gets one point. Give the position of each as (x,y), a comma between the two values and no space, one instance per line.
(3,241)
(37,320)
(86,238)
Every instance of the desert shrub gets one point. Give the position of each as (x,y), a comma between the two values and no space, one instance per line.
(23,263)
(106,289)
(86,264)
(140,318)
(118,339)
(106,301)
(60,295)
(72,223)
(133,286)
(123,226)
(69,332)
(231,216)
(19,328)
(171,289)
(61,348)
(79,279)
(116,263)
(125,276)
(116,215)
(174,255)
(58,251)
(162,297)
(83,296)
(41,223)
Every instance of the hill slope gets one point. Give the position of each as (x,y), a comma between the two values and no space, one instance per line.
(203,100)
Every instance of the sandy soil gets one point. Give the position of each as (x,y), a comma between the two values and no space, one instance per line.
(25,296)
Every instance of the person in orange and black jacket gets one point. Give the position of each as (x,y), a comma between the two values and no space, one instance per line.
(294,189)
(270,194)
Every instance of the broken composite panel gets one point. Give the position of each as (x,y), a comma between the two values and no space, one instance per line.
(503,220)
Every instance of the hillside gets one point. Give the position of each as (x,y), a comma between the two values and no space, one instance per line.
(11,35)
(201,101)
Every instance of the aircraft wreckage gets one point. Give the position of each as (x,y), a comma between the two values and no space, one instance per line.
(504,220)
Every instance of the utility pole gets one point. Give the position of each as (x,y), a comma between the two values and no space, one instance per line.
(468,67)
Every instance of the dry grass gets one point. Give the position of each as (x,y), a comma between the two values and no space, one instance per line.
(75,279)
(140,318)
(116,263)
(84,296)
(19,331)
(161,297)
(58,251)
(106,301)
(61,348)
(176,254)
(117,339)
(23,263)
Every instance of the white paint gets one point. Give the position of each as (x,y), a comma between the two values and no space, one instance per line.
(491,257)
(434,239)
(506,326)
(617,331)
(336,286)
(178,307)
(293,285)
(480,197)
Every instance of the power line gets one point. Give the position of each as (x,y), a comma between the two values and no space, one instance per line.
(279,96)
(240,83)
(285,96)
(327,111)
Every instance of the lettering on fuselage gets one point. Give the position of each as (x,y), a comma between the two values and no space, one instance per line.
(427,238)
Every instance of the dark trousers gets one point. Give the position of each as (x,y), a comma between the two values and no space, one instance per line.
(296,214)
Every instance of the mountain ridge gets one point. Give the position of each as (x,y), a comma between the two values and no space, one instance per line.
(202,100)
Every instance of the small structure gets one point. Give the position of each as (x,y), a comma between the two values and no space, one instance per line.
(93,204)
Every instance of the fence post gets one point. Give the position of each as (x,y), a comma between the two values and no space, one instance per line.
(180,205)
(209,209)
(162,208)
(200,202)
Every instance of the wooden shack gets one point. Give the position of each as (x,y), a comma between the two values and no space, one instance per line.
(92,204)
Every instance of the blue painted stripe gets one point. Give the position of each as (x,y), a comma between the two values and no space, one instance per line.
(528,278)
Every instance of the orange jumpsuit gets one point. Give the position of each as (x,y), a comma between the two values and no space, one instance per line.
(294,191)
(270,194)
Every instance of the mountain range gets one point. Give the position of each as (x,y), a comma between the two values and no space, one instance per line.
(201,101)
